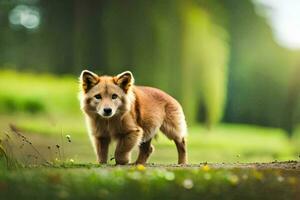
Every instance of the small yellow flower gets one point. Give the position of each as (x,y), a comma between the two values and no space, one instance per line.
(140,167)
(205,168)
(258,175)
(292,180)
(71,161)
(233,179)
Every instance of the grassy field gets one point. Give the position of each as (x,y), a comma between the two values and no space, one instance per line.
(226,143)
(149,183)
(45,109)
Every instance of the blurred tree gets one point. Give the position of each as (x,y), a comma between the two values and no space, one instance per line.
(180,46)
(291,112)
(178,43)
(54,40)
(204,63)
(258,69)
(87,35)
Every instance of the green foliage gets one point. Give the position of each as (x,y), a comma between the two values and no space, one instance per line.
(260,71)
(204,61)
(148,183)
(9,104)
(38,93)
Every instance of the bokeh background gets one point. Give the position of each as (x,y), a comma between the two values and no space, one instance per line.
(233,65)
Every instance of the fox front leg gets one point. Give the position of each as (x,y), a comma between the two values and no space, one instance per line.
(125,145)
(102,144)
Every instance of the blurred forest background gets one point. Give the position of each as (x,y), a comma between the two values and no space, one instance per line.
(219,58)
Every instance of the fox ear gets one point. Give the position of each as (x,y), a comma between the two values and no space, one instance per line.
(124,80)
(88,80)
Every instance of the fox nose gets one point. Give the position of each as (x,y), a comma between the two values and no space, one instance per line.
(107,111)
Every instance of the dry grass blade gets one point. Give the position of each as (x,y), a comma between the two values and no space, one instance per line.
(19,134)
(3,153)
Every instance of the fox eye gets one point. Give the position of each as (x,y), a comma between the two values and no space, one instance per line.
(98,96)
(114,96)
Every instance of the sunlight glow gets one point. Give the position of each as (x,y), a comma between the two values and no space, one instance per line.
(27,16)
(284,17)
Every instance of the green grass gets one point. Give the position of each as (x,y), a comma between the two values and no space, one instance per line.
(148,183)
(24,92)
(225,143)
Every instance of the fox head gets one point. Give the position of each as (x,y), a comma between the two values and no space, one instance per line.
(106,96)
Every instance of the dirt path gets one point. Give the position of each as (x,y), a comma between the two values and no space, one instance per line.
(288,165)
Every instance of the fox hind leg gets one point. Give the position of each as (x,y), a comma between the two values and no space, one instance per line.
(181,149)
(180,142)
(174,127)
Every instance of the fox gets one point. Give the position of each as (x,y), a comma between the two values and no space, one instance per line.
(116,109)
